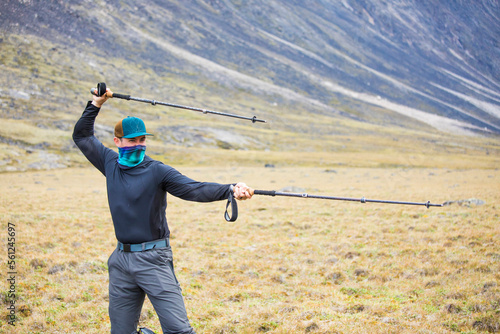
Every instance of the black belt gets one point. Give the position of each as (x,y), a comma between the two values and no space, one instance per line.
(161,243)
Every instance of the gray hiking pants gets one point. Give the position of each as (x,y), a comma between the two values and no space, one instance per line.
(132,275)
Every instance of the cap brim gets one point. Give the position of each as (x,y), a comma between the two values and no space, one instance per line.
(138,134)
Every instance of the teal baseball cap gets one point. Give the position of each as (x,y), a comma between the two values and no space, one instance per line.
(131,127)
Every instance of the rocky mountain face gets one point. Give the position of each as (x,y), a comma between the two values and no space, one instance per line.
(402,63)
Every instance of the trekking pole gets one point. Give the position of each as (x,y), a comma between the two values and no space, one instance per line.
(101,90)
(231,203)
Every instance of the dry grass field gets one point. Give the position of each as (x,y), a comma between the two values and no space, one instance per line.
(287,265)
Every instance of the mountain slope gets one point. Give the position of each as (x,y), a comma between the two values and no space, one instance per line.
(414,65)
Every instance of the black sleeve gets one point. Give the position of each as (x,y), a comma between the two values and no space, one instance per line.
(83,136)
(188,189)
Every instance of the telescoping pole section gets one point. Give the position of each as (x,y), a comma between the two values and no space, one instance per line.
(101,90)
(362,200)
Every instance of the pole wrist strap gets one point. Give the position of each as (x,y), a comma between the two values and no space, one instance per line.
(231,201)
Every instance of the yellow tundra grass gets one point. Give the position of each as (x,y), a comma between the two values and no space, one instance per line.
(287,265)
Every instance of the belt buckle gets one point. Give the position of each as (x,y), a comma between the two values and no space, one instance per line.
(126,248)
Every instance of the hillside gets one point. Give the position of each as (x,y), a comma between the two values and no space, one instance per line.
(337,77)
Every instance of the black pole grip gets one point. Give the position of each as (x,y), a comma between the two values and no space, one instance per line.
(265,192)
(100,90)
(121,96)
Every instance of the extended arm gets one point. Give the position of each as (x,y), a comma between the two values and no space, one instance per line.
(83,134)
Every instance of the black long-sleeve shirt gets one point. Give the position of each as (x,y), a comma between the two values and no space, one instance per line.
(137,195)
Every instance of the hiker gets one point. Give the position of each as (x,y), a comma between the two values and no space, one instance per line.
(137,185)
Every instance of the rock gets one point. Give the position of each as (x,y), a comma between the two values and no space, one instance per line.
(312,327)
(466,202)
(36,263)
(336,277)
(431,284)
(452,308)
(292,189)
(361,273)
(55,269)
(388,320)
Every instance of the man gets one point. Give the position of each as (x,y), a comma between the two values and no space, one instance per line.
(137,185)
